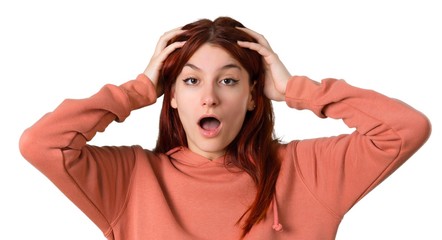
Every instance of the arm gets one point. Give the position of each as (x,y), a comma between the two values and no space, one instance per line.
(341,170)
(56,145)
(94,178)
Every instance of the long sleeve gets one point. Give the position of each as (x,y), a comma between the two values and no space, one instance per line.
(94,178)
(340,170)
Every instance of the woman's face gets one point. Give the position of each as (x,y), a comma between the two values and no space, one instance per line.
(212,95)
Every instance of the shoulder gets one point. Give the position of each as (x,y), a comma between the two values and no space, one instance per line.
(286,148)
(150,159)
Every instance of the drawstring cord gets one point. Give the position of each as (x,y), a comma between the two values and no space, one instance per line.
(276,225)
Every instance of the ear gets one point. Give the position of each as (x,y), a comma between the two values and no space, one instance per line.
(173,102)
(251,103)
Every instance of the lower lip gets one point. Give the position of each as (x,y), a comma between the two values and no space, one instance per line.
(210,133)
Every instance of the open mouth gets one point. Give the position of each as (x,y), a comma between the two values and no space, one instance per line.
(209,123)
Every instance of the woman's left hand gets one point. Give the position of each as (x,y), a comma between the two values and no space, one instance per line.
(277,74)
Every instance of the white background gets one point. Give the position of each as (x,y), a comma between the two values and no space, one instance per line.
(51,50)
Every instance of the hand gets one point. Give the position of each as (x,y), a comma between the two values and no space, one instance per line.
(277,74)
(152,70)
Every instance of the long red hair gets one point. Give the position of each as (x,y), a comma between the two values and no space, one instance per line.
(254,148)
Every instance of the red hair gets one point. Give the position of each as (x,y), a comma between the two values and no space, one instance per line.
(254,148)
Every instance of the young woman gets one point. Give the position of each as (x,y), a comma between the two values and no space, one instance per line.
(217,171)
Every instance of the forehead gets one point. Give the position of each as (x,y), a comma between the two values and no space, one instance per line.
(211,57)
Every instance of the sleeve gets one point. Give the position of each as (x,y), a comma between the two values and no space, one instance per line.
(94,178)
(340,170)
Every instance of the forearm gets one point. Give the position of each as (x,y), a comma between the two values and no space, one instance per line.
(74,122)
(374,115)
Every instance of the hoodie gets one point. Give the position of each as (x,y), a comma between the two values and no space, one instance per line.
(133,193)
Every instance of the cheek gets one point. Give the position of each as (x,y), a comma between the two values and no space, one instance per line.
(181,98)
(235,109)
(238,100)
(186,106)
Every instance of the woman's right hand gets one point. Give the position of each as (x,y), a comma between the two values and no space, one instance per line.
(152,70)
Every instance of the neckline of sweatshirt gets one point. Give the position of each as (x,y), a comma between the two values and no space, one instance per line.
(203,169)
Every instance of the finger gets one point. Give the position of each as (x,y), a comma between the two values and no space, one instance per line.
(259,37)
(162,42)
(263,51)
(156,62)
(168,50)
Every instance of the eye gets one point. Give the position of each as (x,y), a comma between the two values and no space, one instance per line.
(229,81)
(190,81)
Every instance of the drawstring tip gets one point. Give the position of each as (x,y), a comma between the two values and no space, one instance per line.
(277,227)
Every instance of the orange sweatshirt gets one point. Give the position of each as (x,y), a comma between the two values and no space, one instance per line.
(133,193)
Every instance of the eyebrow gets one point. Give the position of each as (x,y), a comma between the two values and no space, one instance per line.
(228,66)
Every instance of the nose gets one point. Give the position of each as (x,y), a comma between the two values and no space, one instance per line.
(209,97)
